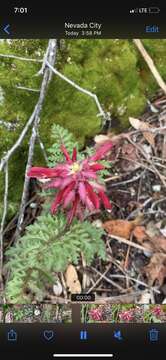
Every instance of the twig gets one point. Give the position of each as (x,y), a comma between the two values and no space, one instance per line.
(3,219)
(121,298)
(20,58)
(42,147)
(152,130)
(10,152)
(27,89)
(127,256)
(79,88)
(139,163)
(51,53)
(162,178)
(116,276)
(84,276)
(108,280)
(8,125)
(157,202)
(150,64)
(135,178)
(63,285)
(100,278)
(127,242)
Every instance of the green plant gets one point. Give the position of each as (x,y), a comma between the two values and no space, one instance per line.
(47,247)
(18,314)
(150,317)
(60,136)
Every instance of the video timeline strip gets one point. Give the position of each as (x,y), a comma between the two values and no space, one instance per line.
(84,314)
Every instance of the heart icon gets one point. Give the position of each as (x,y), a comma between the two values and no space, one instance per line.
(48,334)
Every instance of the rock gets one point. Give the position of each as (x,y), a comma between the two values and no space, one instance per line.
(57,288)
(156,188)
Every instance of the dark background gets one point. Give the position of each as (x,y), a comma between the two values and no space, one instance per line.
(46,19)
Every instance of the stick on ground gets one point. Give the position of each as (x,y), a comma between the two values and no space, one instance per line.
(150,64)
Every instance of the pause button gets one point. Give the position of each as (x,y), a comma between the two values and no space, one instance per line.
(83,335)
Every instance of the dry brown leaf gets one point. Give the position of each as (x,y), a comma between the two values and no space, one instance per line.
(142,238)
(72,280)
(140,233)
(159,243)
(156,269)
(150,240)
(141,125)
(122,228)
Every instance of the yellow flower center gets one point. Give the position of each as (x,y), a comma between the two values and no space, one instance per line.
(75,168)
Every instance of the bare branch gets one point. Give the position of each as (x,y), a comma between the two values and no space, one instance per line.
(79,88)
(3,218)
(20,58)
(42,147)
(10,152)
(51,56)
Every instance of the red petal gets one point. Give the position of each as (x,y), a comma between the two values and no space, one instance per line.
(68,188)
(89,204)
(66,181)
(105,200)
(92,196)
(102,151)
(89,174)
(69,198)
(57,201)
(82,191)
(66,154)
(42,172)
(73,211)
(97,167)
(74,156)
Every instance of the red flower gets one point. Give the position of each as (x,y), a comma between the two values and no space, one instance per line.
(126,315)
(157,311)
(95,314)
(77,183)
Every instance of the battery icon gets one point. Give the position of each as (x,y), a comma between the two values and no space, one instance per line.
(154,10)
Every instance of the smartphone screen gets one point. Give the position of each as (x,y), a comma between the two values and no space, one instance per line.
(82,181)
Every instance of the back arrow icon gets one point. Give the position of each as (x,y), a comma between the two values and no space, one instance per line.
(6,29)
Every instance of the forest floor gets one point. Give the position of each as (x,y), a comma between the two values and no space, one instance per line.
(135,236)
(136,231)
